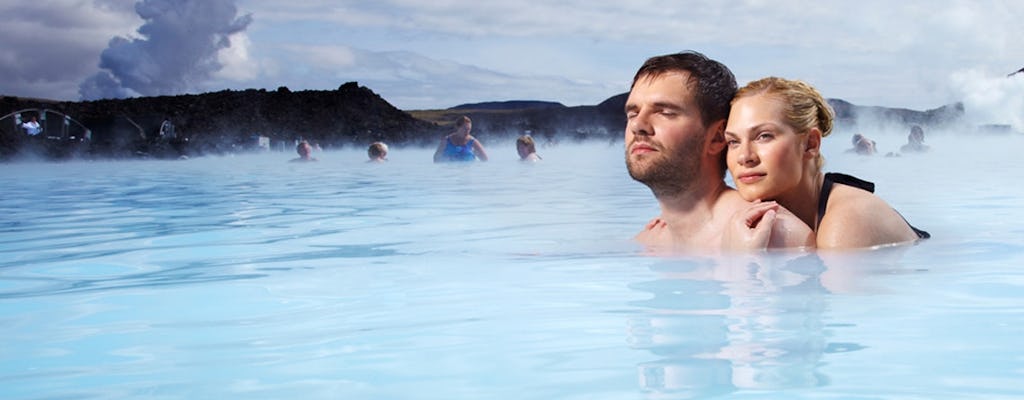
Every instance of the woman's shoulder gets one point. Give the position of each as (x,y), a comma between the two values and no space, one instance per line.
(849,199)
(858,218)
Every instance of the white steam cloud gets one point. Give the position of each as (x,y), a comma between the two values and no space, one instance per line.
(991,98)
(178,49)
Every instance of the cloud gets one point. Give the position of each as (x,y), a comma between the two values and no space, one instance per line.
(875,52)
(48,47)
(177,50)
(869,52)
(991,98)
(236,62)
(412,81)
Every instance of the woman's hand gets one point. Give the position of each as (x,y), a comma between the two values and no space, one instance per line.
(751,228)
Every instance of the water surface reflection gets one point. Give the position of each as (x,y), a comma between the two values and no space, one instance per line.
(718,326)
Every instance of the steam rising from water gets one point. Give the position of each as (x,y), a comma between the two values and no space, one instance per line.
(991,99)
(178,49)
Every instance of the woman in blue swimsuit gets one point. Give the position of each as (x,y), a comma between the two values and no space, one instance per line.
(773,140)
(460,145)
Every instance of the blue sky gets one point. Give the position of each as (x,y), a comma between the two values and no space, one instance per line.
(436,54)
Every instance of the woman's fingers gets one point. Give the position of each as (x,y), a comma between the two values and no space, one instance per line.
(753,215)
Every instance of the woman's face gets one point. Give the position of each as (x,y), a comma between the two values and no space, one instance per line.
(523,149)
(465,128)
(765,155)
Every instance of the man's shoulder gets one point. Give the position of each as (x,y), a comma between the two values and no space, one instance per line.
(730,201)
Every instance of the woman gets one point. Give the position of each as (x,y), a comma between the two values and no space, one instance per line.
(460,145)
(774,137)
(526,148)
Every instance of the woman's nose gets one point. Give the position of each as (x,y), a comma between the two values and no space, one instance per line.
(744,156)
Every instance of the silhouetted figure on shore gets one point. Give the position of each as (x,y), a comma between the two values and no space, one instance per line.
(167,129)
(32,127)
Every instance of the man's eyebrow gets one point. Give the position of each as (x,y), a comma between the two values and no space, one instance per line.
(668,105)
(661,105)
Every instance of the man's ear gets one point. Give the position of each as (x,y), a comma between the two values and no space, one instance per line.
(716,137)
(813,148)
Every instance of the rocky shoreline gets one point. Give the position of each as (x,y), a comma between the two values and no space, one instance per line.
(352,115)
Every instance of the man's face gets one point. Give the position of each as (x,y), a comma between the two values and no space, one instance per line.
(665,136)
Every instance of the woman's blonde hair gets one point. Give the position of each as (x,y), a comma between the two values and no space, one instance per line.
(805,108)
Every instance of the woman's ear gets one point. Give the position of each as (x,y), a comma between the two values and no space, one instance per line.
(716,139)
(813,148)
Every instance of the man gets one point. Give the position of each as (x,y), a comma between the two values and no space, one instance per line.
(305,151)
(675,119)
(378,152)
(32,127)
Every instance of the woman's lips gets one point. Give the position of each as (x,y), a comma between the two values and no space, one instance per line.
(750,178)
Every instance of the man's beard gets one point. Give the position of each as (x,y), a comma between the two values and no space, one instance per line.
(667,173)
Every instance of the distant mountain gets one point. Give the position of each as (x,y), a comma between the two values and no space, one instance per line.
(509,105)
(858,117)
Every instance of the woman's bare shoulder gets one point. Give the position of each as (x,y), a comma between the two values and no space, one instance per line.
(858,219)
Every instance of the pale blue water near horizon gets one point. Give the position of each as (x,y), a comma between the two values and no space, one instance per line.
(252,277)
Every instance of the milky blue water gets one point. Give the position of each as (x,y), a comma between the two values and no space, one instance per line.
(251,277)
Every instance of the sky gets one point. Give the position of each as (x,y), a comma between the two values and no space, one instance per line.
(437,54)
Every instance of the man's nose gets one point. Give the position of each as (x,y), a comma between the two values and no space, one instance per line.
(640,126)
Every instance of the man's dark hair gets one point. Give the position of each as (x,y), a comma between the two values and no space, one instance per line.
(714,83)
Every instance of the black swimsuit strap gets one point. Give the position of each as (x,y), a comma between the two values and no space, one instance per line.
(834,177)
(826,189)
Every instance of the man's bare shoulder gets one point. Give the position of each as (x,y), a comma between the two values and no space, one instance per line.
(728,203)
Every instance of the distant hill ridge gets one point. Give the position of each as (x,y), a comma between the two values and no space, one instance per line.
(509,105)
